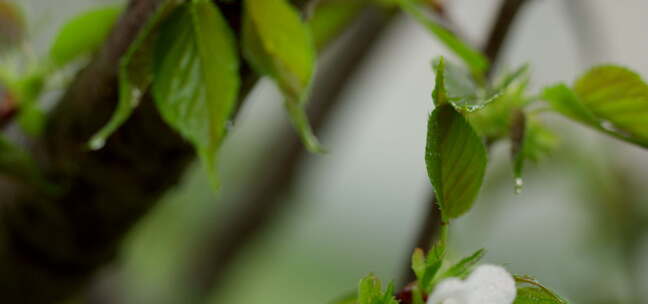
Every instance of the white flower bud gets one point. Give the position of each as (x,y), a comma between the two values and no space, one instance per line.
(487,284)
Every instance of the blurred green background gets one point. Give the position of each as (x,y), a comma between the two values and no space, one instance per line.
(577,225)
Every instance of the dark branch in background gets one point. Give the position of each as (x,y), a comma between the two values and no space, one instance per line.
(508,11)
(265,198)
(431,225)
(586,30)
(52,244)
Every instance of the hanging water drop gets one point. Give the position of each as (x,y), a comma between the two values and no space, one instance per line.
(518,185)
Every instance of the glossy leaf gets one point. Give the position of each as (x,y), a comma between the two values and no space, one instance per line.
(12,26)
(135,73)
(611,99)
(467,94)
(456,161)
(618,96)
(83,34)
(473,58)
(277,43)
(196,78)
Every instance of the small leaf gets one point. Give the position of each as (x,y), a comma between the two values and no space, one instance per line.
(83,34)
(28,89)
(426,267)
(135,73)
(534,295)
(12,26)
(330,17)
(465,266)
(196,78)
(466,94)
(418,263)
(440,94)
(278,44)
(472,57)
(459,84)
(370,292)
(456,161)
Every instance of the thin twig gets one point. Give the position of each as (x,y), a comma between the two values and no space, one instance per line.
(265,198)
(431,225)
(508,11)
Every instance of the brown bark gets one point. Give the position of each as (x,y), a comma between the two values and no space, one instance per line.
(52,243)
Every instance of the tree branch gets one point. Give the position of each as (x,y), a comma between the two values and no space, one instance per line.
(429,229)
(264,201)
(52,243)
(508,11)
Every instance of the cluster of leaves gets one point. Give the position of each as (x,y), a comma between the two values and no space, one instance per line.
(187,56)
(427,268)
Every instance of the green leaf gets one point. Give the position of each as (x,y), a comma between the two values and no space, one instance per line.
(370,292)
(417,297)
(459,85)
(466,94)
(330,17)
(440,93)
(534,295)
(83,34)
(494,121)
(28,89)
(418,263)
(611,99)
(473,58)
(196,79)
(277,43)
(135,73)
(12,26)
(465,266)
(618,96)
(456,161)
(566,102)
(426,268)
